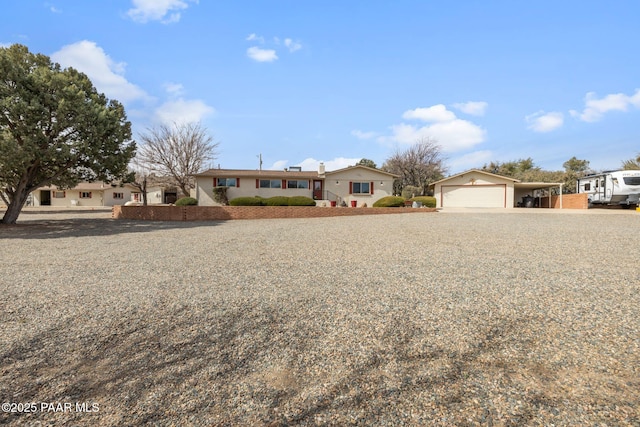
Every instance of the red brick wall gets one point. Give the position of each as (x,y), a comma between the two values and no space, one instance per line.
(208,213)
(569,201)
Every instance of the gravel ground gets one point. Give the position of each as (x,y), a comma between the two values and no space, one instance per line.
(473,318)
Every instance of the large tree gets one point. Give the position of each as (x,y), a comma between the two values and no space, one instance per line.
(55,129)
(418,165)
(178,150)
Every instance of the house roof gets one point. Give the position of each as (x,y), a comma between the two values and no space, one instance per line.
(362,167)
(477,171)
(244,173)
(88,186)
(249,173)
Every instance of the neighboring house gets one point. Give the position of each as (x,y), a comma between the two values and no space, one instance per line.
(352,185)
(156,195)
(479,189)
(83,194)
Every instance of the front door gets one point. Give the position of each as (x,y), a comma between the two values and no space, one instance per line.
(45,198)
(317,189)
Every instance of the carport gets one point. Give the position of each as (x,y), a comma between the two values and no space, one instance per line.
(534,190)
(481,189)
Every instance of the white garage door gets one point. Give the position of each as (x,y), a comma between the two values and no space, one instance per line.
(473,196)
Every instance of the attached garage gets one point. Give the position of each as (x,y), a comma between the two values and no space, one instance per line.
(474,196)
(475,189)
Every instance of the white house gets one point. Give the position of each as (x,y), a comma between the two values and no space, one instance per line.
(355,185)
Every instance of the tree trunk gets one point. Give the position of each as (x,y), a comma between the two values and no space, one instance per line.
(14,208)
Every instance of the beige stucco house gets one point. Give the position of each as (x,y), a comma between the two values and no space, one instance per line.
(357,185)
(84,194)
(479,189)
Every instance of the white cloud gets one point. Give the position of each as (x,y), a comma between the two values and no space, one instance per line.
(5,45)
(279,165)
(363,135)
(329,165)
(183,111)
(474,108)
(174,89)
(596,108)
(254,37)
(544,122)
(165,11)
(106,74)
(451,133)
(470,160)
(291,45)
(261,55)
(436,113)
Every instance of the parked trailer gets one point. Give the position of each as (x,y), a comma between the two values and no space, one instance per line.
(612,188)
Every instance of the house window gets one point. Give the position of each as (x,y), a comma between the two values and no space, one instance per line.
(226,182)
(58,194)
(361,188)
(85,194)
(298,184)
(587,186)
(270,183)
(118,195)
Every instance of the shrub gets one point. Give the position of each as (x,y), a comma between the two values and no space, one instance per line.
(277,201)
(427,201)
(389,202)
(186,201)
(246,201)
(301,201)
(220,195)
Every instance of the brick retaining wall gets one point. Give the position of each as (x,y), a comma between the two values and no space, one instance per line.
(213,213)
(569,201)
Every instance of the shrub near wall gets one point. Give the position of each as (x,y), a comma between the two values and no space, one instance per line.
(246,201)
(427,201)
(186,201)
(301,201)
(389,202)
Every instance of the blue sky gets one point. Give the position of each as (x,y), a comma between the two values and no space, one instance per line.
(306,81)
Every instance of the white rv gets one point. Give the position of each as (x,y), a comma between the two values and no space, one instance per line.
(612,188)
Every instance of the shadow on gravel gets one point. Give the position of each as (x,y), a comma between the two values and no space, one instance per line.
(79,227)
(254,366)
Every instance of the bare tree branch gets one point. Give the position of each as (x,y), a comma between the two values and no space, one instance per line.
(177,150)
(418,166)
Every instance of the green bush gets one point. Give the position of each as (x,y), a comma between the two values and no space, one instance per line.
(246,201)
(389,202)
(220,195)
(186,201)
(277,201)
(427,201)
(301,201)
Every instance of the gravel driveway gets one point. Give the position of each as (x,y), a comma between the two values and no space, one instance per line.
(437,319)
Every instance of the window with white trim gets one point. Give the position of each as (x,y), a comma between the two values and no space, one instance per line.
(85,194)
(118,195)
(298,184)
(58,194)
(361,188)
(270,183)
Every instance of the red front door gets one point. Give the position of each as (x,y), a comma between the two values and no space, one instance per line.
(317,189)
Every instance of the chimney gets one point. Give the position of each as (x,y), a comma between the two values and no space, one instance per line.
(321,169)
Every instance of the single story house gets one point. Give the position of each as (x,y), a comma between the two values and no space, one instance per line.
(480,189)
(99,194)
(83,194)
(354,185)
